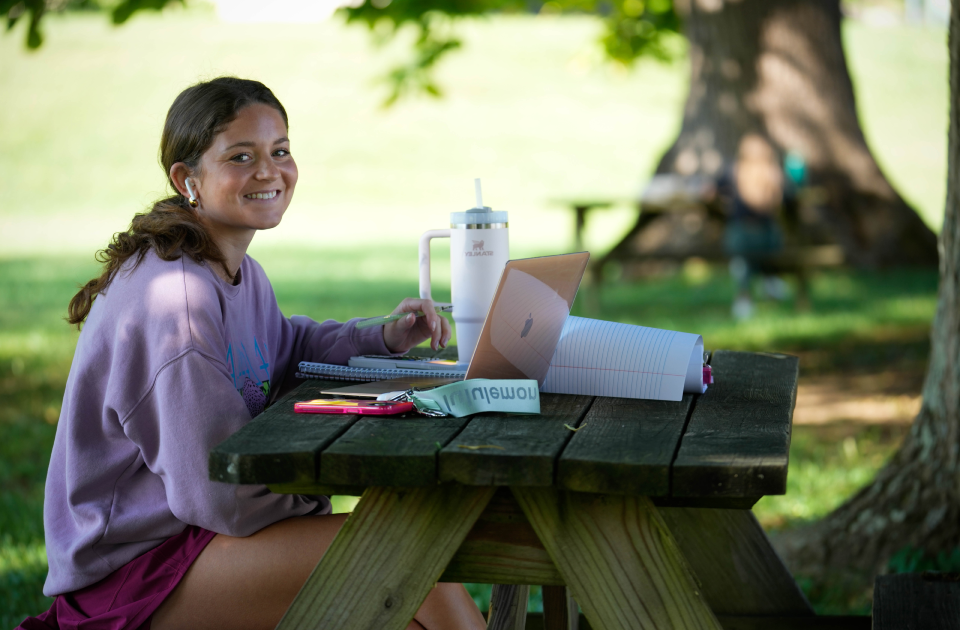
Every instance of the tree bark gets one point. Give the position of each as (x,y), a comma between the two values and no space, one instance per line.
(777,68)
(915,500)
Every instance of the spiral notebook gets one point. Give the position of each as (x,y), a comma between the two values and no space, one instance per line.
(347,373)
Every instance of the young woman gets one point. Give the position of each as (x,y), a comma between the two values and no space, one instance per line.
(183,343)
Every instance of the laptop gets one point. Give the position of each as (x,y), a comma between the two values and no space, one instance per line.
(526,317)
(523,324)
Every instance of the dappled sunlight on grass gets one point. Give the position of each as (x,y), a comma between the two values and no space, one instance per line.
(827,465)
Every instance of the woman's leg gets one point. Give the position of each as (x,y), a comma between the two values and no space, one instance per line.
(249,582)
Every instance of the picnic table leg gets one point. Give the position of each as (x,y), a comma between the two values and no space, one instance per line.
(389,554)
(508,607)
(740,572)
(560,611)
(618,558)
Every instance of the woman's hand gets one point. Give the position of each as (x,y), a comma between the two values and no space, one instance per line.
(409,331)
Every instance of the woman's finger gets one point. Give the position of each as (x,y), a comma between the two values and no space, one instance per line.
(446,332)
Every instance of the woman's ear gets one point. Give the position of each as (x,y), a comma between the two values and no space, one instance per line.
(179,173)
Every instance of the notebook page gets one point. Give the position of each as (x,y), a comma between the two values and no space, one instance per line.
(602,358)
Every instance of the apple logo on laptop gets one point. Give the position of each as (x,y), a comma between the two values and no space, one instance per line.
(526,326)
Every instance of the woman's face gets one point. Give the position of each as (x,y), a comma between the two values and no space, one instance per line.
(247,176)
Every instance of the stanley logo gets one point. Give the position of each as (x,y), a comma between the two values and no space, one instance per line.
(478,250)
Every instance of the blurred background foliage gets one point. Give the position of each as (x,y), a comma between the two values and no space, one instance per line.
(531,106)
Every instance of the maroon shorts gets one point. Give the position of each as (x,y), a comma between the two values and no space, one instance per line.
(125,599)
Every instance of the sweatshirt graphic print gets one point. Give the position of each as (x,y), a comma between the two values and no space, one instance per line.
(252,379)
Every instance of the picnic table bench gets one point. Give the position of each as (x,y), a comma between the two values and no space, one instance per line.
(640,508)
(917,601)
(681,218)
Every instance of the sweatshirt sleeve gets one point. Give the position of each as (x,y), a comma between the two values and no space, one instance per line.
(191,408)
(303,339)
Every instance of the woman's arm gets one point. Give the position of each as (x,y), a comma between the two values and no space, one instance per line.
(192,407)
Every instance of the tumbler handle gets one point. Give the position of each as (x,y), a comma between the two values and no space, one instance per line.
(425,239)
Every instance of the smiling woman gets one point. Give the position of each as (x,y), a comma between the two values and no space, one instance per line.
(183,344)
(243,182)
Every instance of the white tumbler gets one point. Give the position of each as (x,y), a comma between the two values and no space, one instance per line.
(479,250)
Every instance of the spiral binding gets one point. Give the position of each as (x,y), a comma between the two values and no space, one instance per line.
(347,373)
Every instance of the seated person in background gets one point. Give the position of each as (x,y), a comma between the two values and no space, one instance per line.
(184,344)
(753,194)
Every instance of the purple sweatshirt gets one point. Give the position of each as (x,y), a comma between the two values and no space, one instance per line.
(171,361)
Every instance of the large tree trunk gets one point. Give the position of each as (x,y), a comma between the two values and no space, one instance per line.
(777,68)
(915,499)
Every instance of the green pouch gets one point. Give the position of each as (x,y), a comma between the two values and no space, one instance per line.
(478,395)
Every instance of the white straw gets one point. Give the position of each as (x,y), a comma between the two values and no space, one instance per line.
(476,185)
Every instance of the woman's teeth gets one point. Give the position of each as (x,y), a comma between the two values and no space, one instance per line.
(269,195)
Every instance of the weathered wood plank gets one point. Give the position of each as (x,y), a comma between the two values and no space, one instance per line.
(279,445)
(618,558)
(560,611)
(502,548)
(535,621)
(508,607)
(846,622)
(388,451)
(737,441)
(739,570)
(524,447)
(713,503)
(625,446)
(911,601)
(389,554)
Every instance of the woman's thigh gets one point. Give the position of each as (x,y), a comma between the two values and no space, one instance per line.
(248,582)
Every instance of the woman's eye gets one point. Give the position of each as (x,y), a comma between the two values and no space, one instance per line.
(243,157)
(282,152)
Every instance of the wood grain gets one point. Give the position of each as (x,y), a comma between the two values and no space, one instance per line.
(618,558)
(389,554)
(388,451)
(907,601)
(737,441)
(525,450)
(502,548)
(508,607)
(560,611)
(732,557)
(626,446)
(279,445)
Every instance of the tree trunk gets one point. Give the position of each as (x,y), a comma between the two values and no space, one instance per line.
(777,68)
(915,499)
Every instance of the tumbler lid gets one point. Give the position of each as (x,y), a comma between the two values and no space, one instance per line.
(478,216)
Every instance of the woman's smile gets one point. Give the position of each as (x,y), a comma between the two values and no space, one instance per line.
(266,196)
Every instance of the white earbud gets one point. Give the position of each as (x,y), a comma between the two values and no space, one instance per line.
(193,196)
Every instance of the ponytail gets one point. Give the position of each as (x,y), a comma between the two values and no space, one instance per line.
(170,228)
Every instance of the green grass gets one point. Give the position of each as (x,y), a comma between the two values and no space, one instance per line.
(530,107)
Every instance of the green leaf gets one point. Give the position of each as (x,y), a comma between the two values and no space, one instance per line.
(125,10)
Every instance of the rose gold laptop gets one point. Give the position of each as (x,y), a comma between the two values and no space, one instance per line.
(526,317)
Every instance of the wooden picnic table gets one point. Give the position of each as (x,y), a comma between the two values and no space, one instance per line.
(640,508)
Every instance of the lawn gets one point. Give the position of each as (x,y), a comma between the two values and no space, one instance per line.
(538,115)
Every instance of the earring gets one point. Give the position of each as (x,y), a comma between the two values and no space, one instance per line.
(193,196)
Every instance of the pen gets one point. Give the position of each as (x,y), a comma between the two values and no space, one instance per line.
(386,319)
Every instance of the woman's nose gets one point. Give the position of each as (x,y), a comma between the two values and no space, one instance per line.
(267,170)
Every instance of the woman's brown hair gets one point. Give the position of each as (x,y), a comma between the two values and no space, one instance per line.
(171,228)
